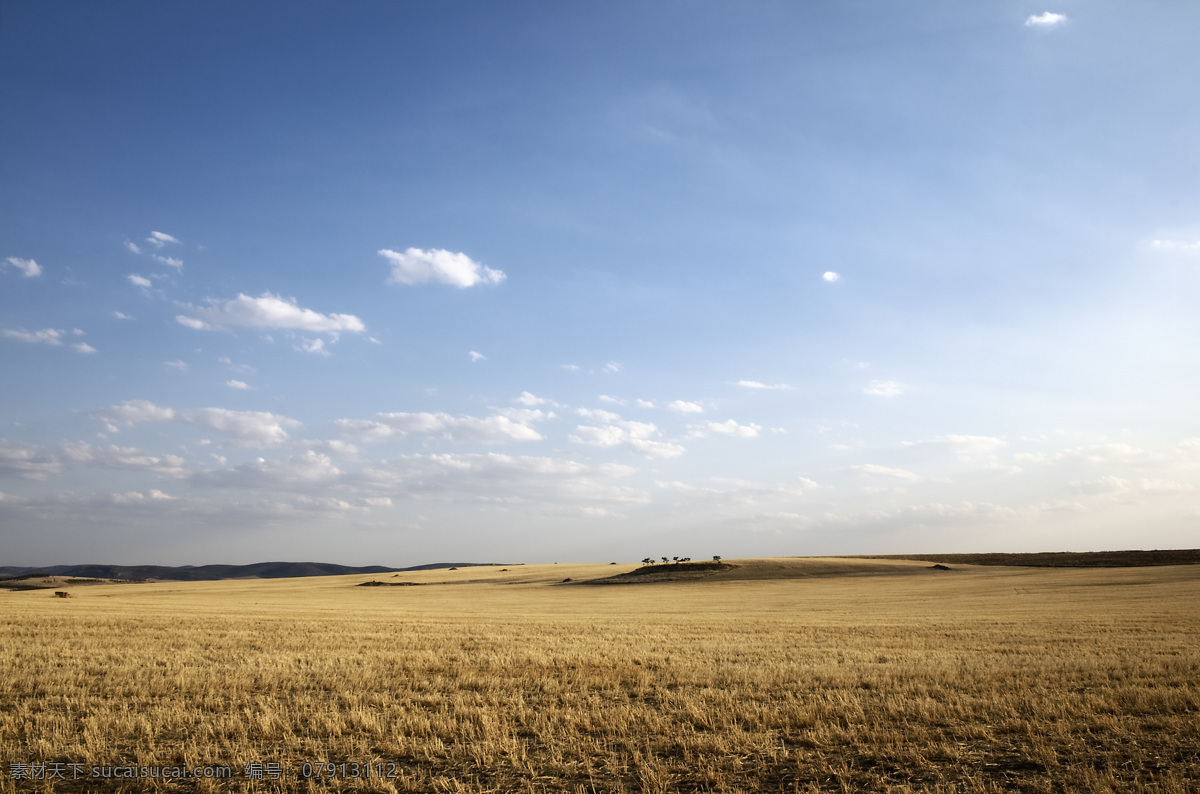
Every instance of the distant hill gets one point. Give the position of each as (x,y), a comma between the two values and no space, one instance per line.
(1061,559)
(198,573)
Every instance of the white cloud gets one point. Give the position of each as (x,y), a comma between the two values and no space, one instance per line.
(611,367)
(504,479)
(26,461)
(1175,245)
(1045,20)
(753,384)
(236,384)
(477,356)
(1139,485)
(46,336)
(159,239)
(136,498)
(570,367)
(415,266)
(243,428)
(727,428)
(269,311)
(531,400)
(641,438)
(314,346)
(177,365)
(133,247)
(494,429)
(830,276)
(684,407)
(644,403)
(114,457)
(27,267)
(604,398)
(960,445)
(168,260)
(83,347)
(871,470)
(139,281)
(1095,454)
(883,388)
(298,472)
(122,316)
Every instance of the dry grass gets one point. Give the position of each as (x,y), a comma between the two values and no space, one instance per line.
(980,679)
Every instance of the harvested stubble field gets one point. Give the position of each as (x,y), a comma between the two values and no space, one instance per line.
(778,675)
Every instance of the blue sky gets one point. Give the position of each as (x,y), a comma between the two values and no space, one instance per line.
(400,282)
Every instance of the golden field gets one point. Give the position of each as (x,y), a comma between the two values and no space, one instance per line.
(779,675)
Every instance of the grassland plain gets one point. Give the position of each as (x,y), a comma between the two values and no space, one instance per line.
(792,675)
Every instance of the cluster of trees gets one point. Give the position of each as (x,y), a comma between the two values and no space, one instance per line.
(651,560)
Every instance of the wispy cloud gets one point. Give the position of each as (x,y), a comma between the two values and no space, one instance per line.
(753,384)
(237,384)
(415,266)
(139,281)
(159,239)
(871,470)
(268,311)
(243,428)
(727,428)
(27,267)
(883,388)
(685,407)
(476,356)
(486,430)
(169,260)
(122,316)
(1045,20)
(314,346)
(960,445)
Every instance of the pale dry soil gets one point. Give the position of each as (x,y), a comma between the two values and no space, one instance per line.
(779,675)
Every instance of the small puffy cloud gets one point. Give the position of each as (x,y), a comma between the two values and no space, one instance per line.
(136,498)
(830,276)
(46,336)
(178,365)
(298,472)
(121,316)
(494,429)
(604,398)
(476,356)
(314,346)
(684,407)
(1045,20)
(159,239)
(243,428)
(114,457)
(611,367)
(415,266)
(132,246)
(753,384)
(83,347)
(727,428)
(269,311)
(642,438)
(378,501)
(170,260)
(531,400)
(139,281)
(644,403)
(883,388)
(871,470)
(26,461)
(237,384)
(27,267)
